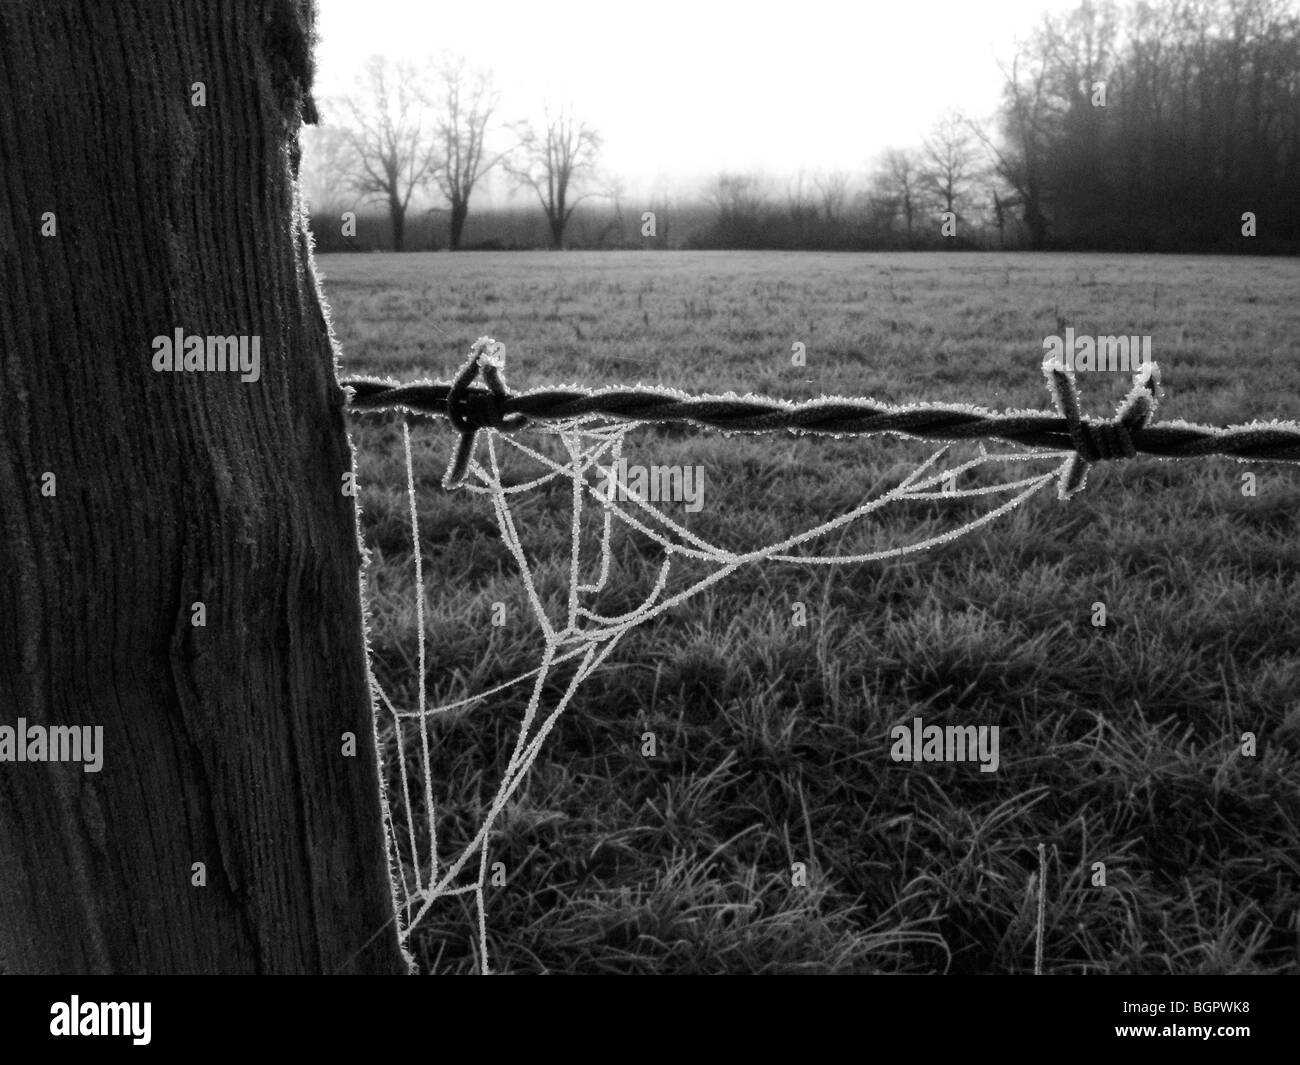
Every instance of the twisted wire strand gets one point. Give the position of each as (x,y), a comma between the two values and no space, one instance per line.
(471,408)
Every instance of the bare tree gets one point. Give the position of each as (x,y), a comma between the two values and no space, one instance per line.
(949,162)
(1000,208)
(1022,165)
(800,203)
(389,139)
(737,197)
(465,103)
(552,161)
(739,200)
(833,190)
(899,180)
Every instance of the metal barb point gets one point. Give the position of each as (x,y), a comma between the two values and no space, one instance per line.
(1096,440)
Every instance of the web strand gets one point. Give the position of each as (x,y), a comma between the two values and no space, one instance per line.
(583,637)
(591,428)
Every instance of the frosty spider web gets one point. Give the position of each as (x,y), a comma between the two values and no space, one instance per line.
(579,635)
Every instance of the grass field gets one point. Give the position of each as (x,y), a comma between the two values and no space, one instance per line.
(1119,744)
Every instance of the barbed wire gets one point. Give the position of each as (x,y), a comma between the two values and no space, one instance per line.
(471,408)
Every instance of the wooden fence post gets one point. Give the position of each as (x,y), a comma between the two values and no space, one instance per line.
(179,561)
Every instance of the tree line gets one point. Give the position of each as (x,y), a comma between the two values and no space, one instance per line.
(1171,126)
(1155,127)
(411,128)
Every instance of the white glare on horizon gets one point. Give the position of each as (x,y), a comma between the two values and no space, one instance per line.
(681,91)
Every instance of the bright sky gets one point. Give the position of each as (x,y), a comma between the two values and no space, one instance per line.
(681,90)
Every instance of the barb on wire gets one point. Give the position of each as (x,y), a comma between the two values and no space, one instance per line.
(1130,432)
